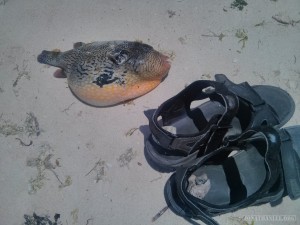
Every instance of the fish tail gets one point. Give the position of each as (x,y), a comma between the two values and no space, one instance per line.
(52,58)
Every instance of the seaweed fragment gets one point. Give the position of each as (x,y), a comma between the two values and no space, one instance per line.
(131,131)
(41,220)
(240,221)
(171,13)
(23,72)
(158,178)
(74,215)
(206,76)
(125,158)
(36,183)
(88,221)
(32,125)
(3,2)
(238,4)
(182,40)
(23,143)
(213,34)
(39,163)
(160,213)
(43,163)
(99,168)
(242,35)
(66,183)
(8,128)
(285,22)
(260,24)
(68,108)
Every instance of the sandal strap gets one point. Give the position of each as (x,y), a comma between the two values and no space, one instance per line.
(204,211)
(290,154)
(217,125)
(243,90)
(263,113)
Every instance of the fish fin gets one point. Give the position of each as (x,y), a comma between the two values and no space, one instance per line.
(52,58)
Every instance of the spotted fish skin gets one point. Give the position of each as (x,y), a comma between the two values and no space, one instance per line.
(108,73)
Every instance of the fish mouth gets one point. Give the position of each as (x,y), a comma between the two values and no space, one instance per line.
(41,57)
(165,63)
(154,66)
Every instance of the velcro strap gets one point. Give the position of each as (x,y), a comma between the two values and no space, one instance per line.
(291,167)
(238,191)
(246,92)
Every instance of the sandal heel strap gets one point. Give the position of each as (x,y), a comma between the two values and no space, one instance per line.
(290,154)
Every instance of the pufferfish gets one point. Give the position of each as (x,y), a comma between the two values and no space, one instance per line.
(111,72)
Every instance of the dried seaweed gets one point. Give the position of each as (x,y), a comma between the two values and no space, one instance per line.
(68,108)
(66,183)
(182,40)
(57,163)
(88,221)
(213,34)
(23,72)
(23,143)
(206,76)
(99,168)
(43,163)
(126,157)
(160,213)
(32,125)
(41,220)
(36,183)
(239,221)
(40,164)
(155,179)
(239,4)
(3,2)
(131,131)
(242,35)
(260,24)
(284,22)
(171,13)
(74,215)
(8,128)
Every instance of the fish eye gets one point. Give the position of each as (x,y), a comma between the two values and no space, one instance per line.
(120,57)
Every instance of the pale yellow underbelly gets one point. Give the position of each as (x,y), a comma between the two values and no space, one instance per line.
(112,94)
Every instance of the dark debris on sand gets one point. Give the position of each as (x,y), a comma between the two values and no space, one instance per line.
(40,220)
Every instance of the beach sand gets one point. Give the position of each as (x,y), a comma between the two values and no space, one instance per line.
(81,161)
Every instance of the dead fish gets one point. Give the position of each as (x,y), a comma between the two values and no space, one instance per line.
(111,72)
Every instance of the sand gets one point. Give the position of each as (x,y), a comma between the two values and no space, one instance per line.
(80,163)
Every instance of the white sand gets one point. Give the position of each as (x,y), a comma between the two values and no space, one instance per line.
(80,135)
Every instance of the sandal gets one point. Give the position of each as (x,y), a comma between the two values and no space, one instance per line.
(264,166)
(231,109)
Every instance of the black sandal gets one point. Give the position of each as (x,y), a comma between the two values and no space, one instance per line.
(231,110)
(265,168)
